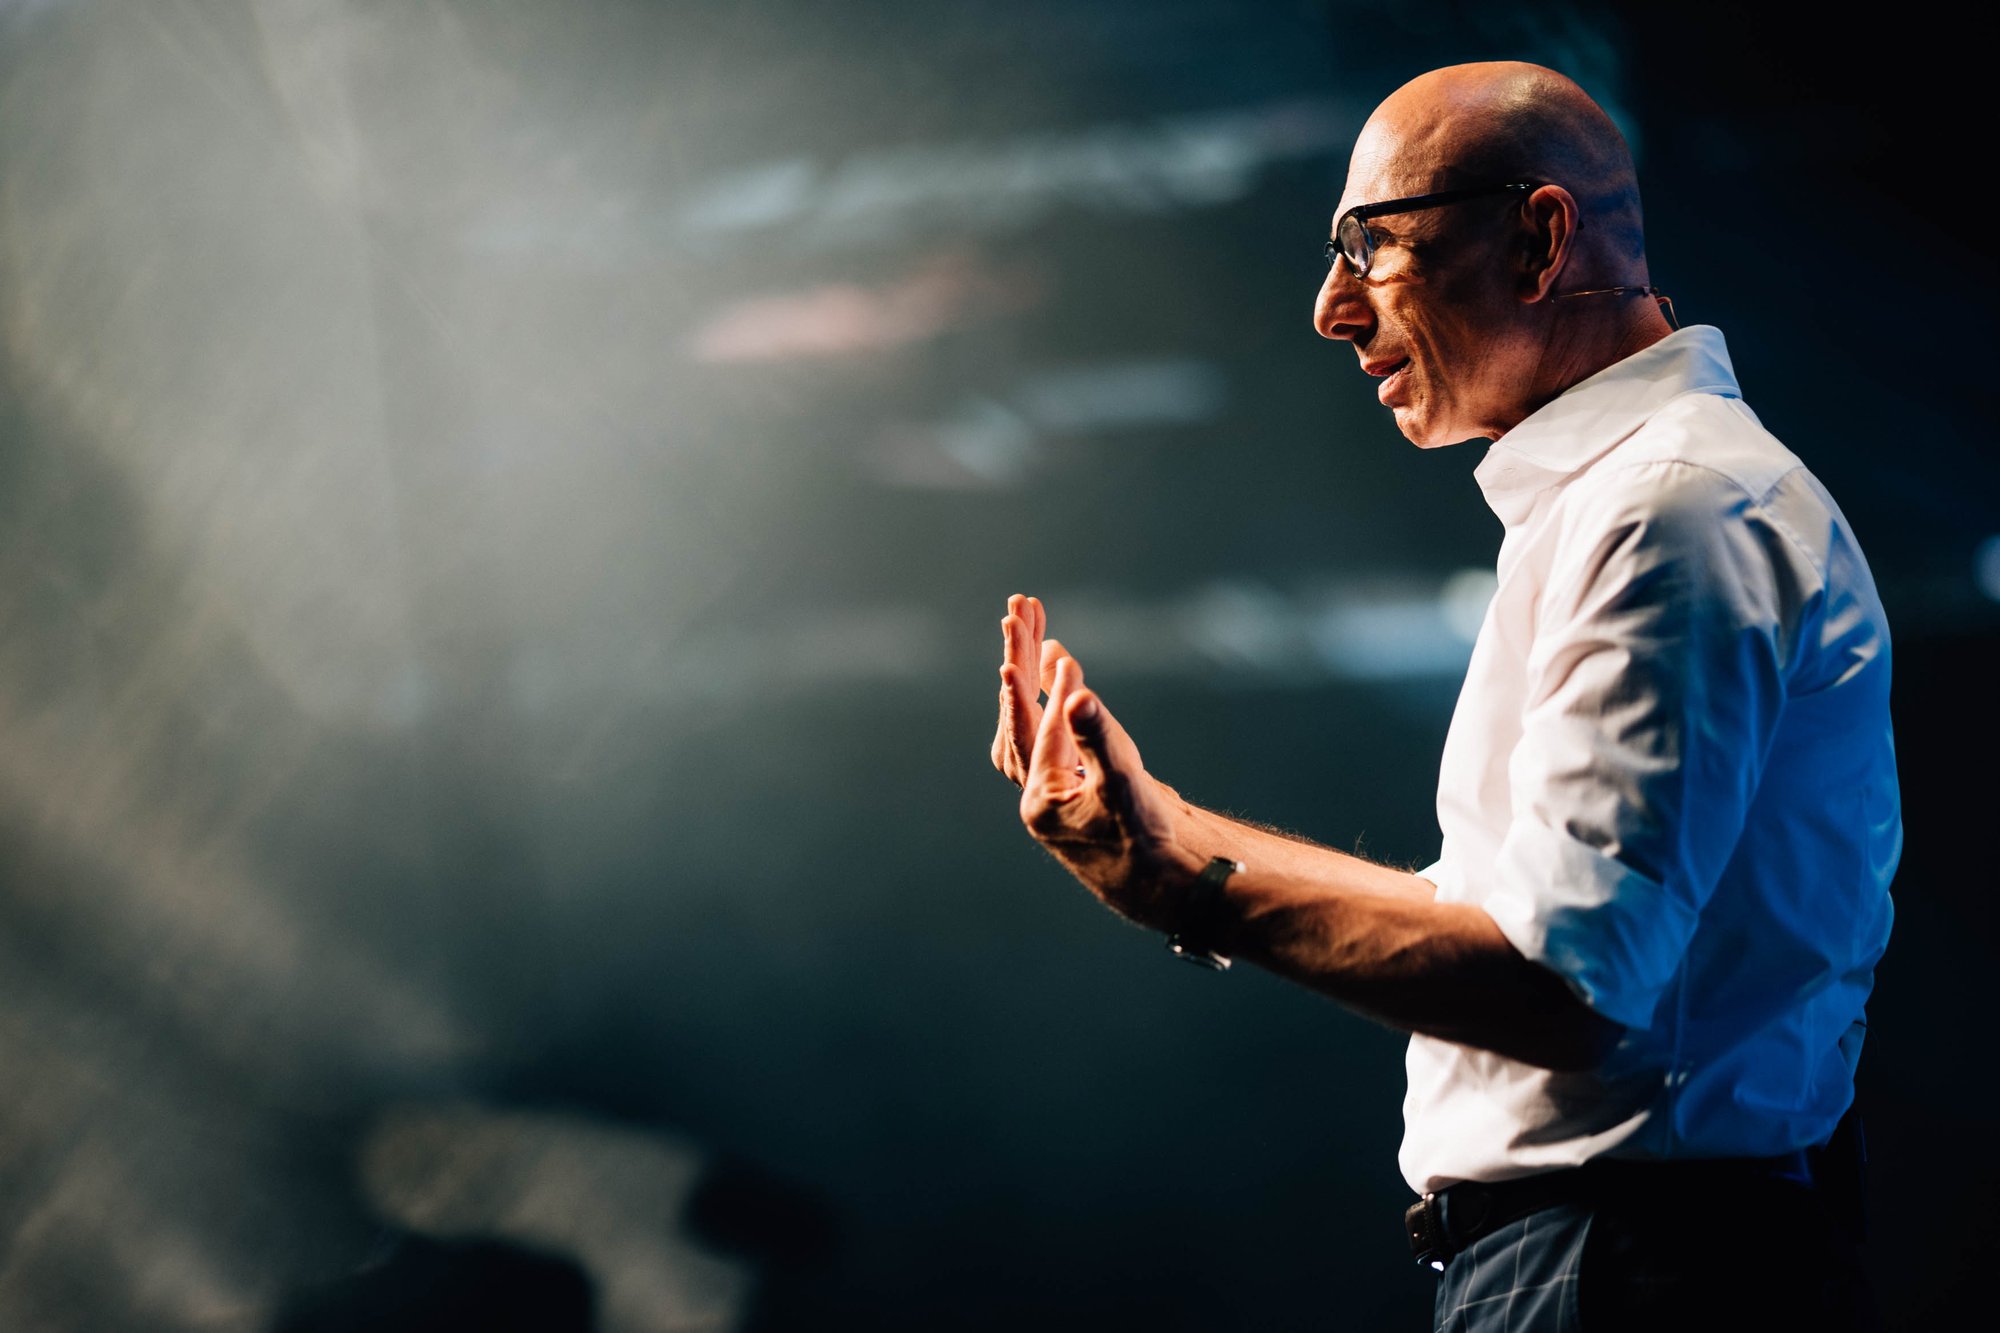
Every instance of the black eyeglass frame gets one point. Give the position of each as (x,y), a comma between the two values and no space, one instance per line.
(1360,213)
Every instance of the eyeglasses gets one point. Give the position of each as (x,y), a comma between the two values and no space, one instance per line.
(1352,238)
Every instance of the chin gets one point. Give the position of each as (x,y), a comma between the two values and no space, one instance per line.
(1428,433)
(1419,430)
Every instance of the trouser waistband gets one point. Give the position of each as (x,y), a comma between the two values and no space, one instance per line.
(1441,1225)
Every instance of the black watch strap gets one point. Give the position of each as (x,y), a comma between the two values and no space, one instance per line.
(1196,939)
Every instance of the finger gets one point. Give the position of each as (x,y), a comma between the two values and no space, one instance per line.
(1038,629)
(1021,674)
(1049,663)
(1019,645)
(1034,625)
(1055,758)
(1053,652)
(1107,731)
(1014,644)
(1019,717)
(1005,750)
(1003,737)
(1019,609)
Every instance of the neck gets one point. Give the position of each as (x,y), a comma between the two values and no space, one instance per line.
(1591,333)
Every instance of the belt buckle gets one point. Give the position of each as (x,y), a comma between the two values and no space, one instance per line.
(1424,1226)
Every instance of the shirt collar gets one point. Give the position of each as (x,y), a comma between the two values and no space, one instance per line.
(1584,421)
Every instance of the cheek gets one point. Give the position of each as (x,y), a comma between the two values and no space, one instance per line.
(1454,351)
(1430,344)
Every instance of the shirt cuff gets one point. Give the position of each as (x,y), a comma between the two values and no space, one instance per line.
(1614,935)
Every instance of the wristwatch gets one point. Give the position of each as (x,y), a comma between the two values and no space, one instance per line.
(1194,940)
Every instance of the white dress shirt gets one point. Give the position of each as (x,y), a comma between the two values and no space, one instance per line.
(1670,778)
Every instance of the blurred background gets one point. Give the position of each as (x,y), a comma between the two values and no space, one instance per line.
(505,510)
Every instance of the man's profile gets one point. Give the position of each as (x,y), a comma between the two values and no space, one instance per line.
(1634,974)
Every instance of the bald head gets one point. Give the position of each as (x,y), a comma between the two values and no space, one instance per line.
(1460,306)
(1480,124)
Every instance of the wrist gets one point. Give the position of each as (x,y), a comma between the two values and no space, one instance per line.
(1179,884)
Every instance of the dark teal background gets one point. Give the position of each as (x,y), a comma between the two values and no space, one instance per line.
(504,515)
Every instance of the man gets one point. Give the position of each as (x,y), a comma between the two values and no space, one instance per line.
(1634,976)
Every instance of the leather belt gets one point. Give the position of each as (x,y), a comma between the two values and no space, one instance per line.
(1443,1224)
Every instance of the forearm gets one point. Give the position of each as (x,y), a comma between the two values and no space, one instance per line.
(1216,834)
(1375,939)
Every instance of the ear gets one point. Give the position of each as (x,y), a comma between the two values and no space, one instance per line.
(1548,235)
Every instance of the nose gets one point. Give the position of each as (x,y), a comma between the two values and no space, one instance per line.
(1342,308)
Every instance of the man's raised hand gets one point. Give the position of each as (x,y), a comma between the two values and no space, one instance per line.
(1027,668)
(1085,793)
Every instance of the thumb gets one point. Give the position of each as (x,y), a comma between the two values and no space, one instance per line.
(1102,738)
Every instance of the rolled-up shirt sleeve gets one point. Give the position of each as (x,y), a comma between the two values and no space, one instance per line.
(1655,679)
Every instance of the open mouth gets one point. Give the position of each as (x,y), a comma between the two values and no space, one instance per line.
(1393,375)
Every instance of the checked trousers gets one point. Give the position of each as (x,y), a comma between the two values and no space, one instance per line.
(1766,1257)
